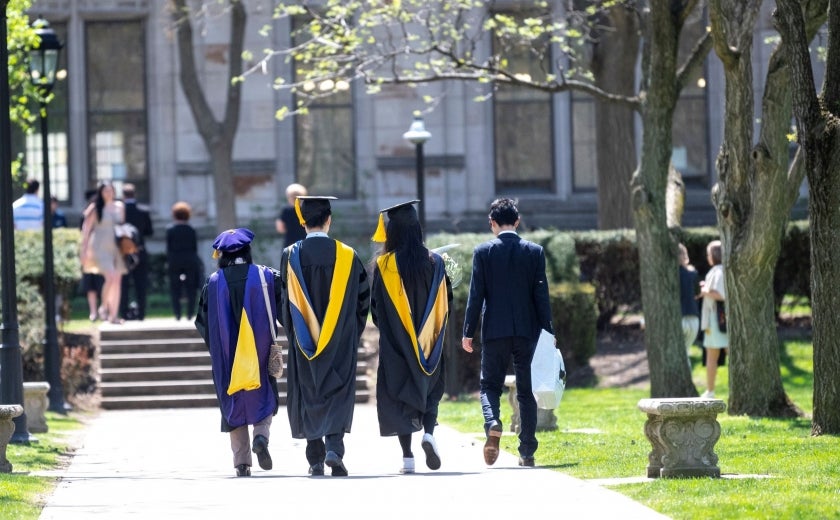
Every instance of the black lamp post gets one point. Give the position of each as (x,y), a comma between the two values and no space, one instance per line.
(11,364)
(43,63)
(418,135)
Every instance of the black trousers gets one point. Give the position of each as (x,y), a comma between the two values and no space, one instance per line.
(138,278)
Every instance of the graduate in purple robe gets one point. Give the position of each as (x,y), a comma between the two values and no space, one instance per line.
(234,321)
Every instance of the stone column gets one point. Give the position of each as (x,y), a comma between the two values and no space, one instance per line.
(683,433)
(35,402)
(7,428)
(546,420)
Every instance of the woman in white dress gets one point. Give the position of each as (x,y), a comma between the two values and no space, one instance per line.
(713,290)
(99,251)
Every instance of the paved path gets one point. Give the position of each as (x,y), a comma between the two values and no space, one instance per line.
(162,464)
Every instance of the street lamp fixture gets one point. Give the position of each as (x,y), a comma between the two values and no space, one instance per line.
(43,64)
(418,135)
(11,365)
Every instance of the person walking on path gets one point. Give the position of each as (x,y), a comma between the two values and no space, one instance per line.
(235,320)
(326,299)
(509,290)
(138,216)
(183,264)
(713,290)
(410,298)
(28,210)
(99,252)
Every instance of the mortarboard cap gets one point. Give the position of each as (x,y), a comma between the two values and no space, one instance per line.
(308,207)
(231,241)
(403,210)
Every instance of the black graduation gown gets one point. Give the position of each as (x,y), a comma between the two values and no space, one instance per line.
(405,393)
(321,391)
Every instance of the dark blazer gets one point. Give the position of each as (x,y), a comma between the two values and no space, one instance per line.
(140,218)
(508,289)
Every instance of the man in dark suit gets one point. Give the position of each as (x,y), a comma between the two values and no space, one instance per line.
(139,217)
(509,290)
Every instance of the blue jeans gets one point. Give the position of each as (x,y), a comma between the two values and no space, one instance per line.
(495,357)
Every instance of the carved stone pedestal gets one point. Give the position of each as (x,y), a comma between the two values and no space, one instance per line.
(546,420)
(683,433)
(36,402)
(7,428)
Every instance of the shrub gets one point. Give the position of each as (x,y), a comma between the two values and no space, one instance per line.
(574,315)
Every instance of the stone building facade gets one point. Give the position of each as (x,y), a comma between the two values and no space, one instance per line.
(120,115)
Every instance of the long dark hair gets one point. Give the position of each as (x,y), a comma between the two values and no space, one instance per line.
(405,238)
(100,201)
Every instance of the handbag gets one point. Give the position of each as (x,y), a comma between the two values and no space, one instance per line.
(275,353)
(720,308)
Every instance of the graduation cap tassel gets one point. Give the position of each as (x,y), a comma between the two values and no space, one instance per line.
(299,214)
(379,235)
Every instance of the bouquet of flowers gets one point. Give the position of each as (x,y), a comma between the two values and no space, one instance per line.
(453,270)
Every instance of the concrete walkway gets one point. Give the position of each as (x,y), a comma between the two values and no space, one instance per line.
(175,463)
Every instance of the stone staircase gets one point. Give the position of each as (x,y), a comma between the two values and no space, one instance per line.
(163,363)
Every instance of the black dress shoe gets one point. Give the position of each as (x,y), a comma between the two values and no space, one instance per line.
(243,470)
(261,449)
(337,465)
(526,461)
(317,470)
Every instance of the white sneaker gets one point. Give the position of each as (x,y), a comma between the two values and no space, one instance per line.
(430,447)
(408,465)
(708,395)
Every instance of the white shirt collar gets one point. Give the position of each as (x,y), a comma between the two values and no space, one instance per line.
(508,231)
(317,234)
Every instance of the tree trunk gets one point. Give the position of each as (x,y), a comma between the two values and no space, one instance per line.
(818,137)
(667,358)
(218,136)
(614,68)
(753,198)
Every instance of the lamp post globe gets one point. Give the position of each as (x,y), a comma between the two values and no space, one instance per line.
(418,135)
(43,66)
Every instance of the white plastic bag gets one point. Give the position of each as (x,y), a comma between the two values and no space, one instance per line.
(548,373)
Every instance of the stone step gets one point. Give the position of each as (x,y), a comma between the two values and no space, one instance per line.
(152,345)
(109,361)
(158,388)
(165,364)
(182,387)
(185,401)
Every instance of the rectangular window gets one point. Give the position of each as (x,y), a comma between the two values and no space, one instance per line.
(116,92)
(584,134)
(325,157)
(690,136)
(523,132)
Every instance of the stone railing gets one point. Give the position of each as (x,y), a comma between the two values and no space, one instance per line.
(7,428)
(683,433)
(546,420)
(35,402)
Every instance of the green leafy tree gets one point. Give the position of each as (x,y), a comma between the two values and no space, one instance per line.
(411,42)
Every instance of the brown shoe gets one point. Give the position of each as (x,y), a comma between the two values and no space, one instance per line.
(491,446)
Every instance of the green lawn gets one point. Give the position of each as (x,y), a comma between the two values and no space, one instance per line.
(23,494)
(782,471)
